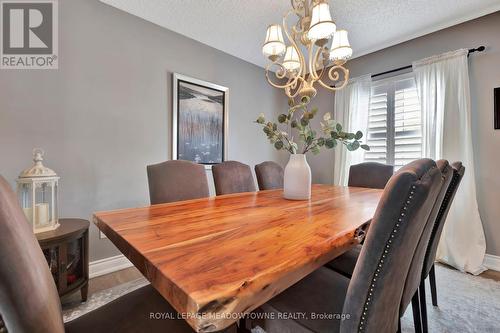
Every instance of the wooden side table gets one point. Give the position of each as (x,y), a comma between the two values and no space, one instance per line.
(67,252)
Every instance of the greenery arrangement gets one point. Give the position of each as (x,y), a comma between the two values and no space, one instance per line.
(299,119)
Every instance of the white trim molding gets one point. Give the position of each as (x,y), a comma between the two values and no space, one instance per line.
(108,265)
(492,262)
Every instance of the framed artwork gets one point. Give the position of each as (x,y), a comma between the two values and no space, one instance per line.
(497,107)
(199,124)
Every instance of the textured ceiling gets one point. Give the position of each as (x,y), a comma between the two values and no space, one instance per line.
(238,27)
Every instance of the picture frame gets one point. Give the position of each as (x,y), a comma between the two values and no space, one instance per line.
(496,93)
(199,121)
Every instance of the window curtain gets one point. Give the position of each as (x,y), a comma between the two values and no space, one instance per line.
(443,86)
(352,104)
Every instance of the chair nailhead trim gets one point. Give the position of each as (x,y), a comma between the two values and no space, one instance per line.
(381,260)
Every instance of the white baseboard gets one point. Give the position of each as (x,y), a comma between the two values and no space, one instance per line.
(108,265)
(492,262)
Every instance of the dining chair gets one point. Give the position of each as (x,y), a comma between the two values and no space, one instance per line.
(269,175)
(232,177)
(176,180)
(411,289)
(369,301)
(29,302)
(458,171)
(346,263)
(370,174)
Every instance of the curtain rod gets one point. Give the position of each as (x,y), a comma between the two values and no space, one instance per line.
(478,49)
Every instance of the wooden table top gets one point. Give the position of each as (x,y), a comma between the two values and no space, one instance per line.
(216,257)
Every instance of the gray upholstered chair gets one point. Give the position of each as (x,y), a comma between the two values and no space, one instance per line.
(28,296)
(269,175)
(232,177)
(410,292)
(176,180)
(345,263)
(430,253)
(370,174)
(29,302)
(371,297)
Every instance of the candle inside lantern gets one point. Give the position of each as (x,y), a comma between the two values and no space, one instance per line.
(28,212)
(42,214)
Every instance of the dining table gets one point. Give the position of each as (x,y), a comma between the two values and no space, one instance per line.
(215,259)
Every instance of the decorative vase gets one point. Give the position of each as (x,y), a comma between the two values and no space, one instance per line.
(297,178)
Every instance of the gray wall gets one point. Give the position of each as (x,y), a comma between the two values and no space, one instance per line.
(484,76)
(105,114)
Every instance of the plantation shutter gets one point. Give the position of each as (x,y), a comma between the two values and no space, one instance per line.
(394,122)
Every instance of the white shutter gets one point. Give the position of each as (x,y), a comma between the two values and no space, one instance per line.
(395,122)
(407,123)
(377,127)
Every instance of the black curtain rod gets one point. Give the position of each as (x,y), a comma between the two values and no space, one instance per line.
(478,49)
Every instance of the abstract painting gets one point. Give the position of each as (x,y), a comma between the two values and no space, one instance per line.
(200,121)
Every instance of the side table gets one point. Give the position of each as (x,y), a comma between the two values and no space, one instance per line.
(67,252)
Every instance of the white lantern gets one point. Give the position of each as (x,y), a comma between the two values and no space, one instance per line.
(37,192)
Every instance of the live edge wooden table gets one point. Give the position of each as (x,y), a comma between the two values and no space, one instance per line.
(215,258)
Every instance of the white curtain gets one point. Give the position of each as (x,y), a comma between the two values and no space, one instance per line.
(351,110)
(443,86)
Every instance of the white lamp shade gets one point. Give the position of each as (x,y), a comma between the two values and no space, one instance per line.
(274,44)
(341,49)
(291,61)
(322,25)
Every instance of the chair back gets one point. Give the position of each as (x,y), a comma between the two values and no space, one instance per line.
(176,180)
(415,272)
(29,302)
(269,175)
(232,177)
(430,255)
(377,283)
(370,174)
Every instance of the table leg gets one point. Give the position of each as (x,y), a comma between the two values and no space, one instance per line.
(242,326)
(84,292)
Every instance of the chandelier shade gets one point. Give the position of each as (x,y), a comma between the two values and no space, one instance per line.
(322,25)
(341,49)
(274,44)
(291,61)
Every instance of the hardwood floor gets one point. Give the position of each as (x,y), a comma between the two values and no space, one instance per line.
(493,275)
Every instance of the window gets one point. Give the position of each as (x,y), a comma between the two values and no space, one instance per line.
(394,122)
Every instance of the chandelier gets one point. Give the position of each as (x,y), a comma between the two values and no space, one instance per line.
(310,34)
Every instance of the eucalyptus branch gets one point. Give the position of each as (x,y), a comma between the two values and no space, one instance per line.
(332,132)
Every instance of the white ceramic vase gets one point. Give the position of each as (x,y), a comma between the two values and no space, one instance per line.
(297,178)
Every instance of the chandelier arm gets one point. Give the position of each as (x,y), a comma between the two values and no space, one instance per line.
(291,81)
(310,48)
(313,62)
(294,44)
(333,74)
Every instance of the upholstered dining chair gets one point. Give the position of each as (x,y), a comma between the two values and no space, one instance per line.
(428,270)
(410,292)
(232,177)
(370,174)
(269,175)
(176,180)
(29,302)
(346,263)
(369,301)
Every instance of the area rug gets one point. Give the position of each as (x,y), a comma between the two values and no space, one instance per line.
(466,303)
